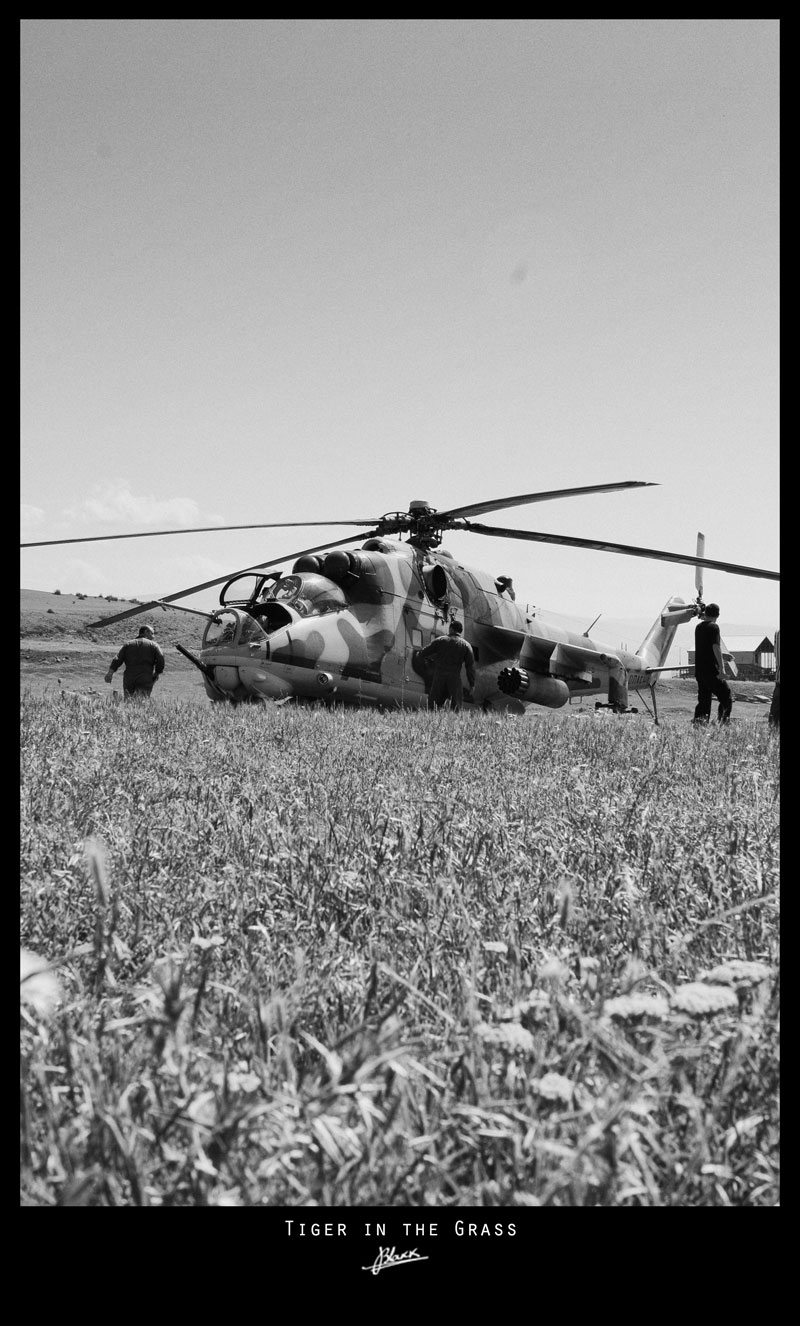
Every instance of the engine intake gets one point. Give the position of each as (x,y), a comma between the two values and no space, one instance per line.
(358,574)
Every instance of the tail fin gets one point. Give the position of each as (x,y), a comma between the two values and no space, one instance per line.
(655,647)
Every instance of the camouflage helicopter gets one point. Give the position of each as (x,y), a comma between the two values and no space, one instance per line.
(347,626)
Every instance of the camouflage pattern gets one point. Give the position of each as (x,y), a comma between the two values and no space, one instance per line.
(346,627)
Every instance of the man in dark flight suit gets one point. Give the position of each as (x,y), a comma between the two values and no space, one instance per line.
(144,664)
(448,654)
(709,668)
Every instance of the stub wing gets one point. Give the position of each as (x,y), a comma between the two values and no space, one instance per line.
(550,671)
(574,662)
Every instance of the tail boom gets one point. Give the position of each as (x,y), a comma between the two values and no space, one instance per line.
(650,658)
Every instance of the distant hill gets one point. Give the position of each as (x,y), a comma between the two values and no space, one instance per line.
(66,617)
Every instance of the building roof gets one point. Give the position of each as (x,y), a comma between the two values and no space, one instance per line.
(744,644)
(748,644)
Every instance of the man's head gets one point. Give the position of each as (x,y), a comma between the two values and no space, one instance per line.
(147,631)
(711,610)
(456,628)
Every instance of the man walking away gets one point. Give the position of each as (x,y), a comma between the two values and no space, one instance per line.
(709,668)
(144,664)
(448,654)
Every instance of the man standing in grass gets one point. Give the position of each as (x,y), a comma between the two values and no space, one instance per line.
(144,664)
(448,654)
(709,668)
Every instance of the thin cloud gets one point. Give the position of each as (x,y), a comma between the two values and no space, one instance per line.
(80,576)
(116,504)
(31,518)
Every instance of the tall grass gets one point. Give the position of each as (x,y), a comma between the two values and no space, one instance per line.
(358,959)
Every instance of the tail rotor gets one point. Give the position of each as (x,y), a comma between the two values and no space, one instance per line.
(679,613)
(730,662)
(698,570)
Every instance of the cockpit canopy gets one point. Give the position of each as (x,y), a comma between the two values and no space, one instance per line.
(231,628)
(279,603)
(308,593)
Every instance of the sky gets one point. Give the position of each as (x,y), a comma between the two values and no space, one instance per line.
(311,270)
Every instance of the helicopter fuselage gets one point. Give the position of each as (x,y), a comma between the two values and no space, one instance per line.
(347,628)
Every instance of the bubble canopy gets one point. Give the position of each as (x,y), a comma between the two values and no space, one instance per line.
(309,594)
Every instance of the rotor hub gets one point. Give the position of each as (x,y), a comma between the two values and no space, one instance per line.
(421,523)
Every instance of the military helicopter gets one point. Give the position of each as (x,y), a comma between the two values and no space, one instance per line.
(347,626)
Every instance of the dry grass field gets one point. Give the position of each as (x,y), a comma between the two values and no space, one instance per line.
(325,959)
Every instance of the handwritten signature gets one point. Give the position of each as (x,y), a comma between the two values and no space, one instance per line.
(391,1257)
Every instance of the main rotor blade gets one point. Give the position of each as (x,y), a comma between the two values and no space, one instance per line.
(206,529)
(698,571)
(478,508)
(209,584)
(625,548)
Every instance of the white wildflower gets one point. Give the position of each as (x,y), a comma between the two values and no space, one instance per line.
(631,1006)
(553,969)
(589,969)
(507,1035)
(553,1086)
(698,998)
(536,1005)
(737,972)
(38,985)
